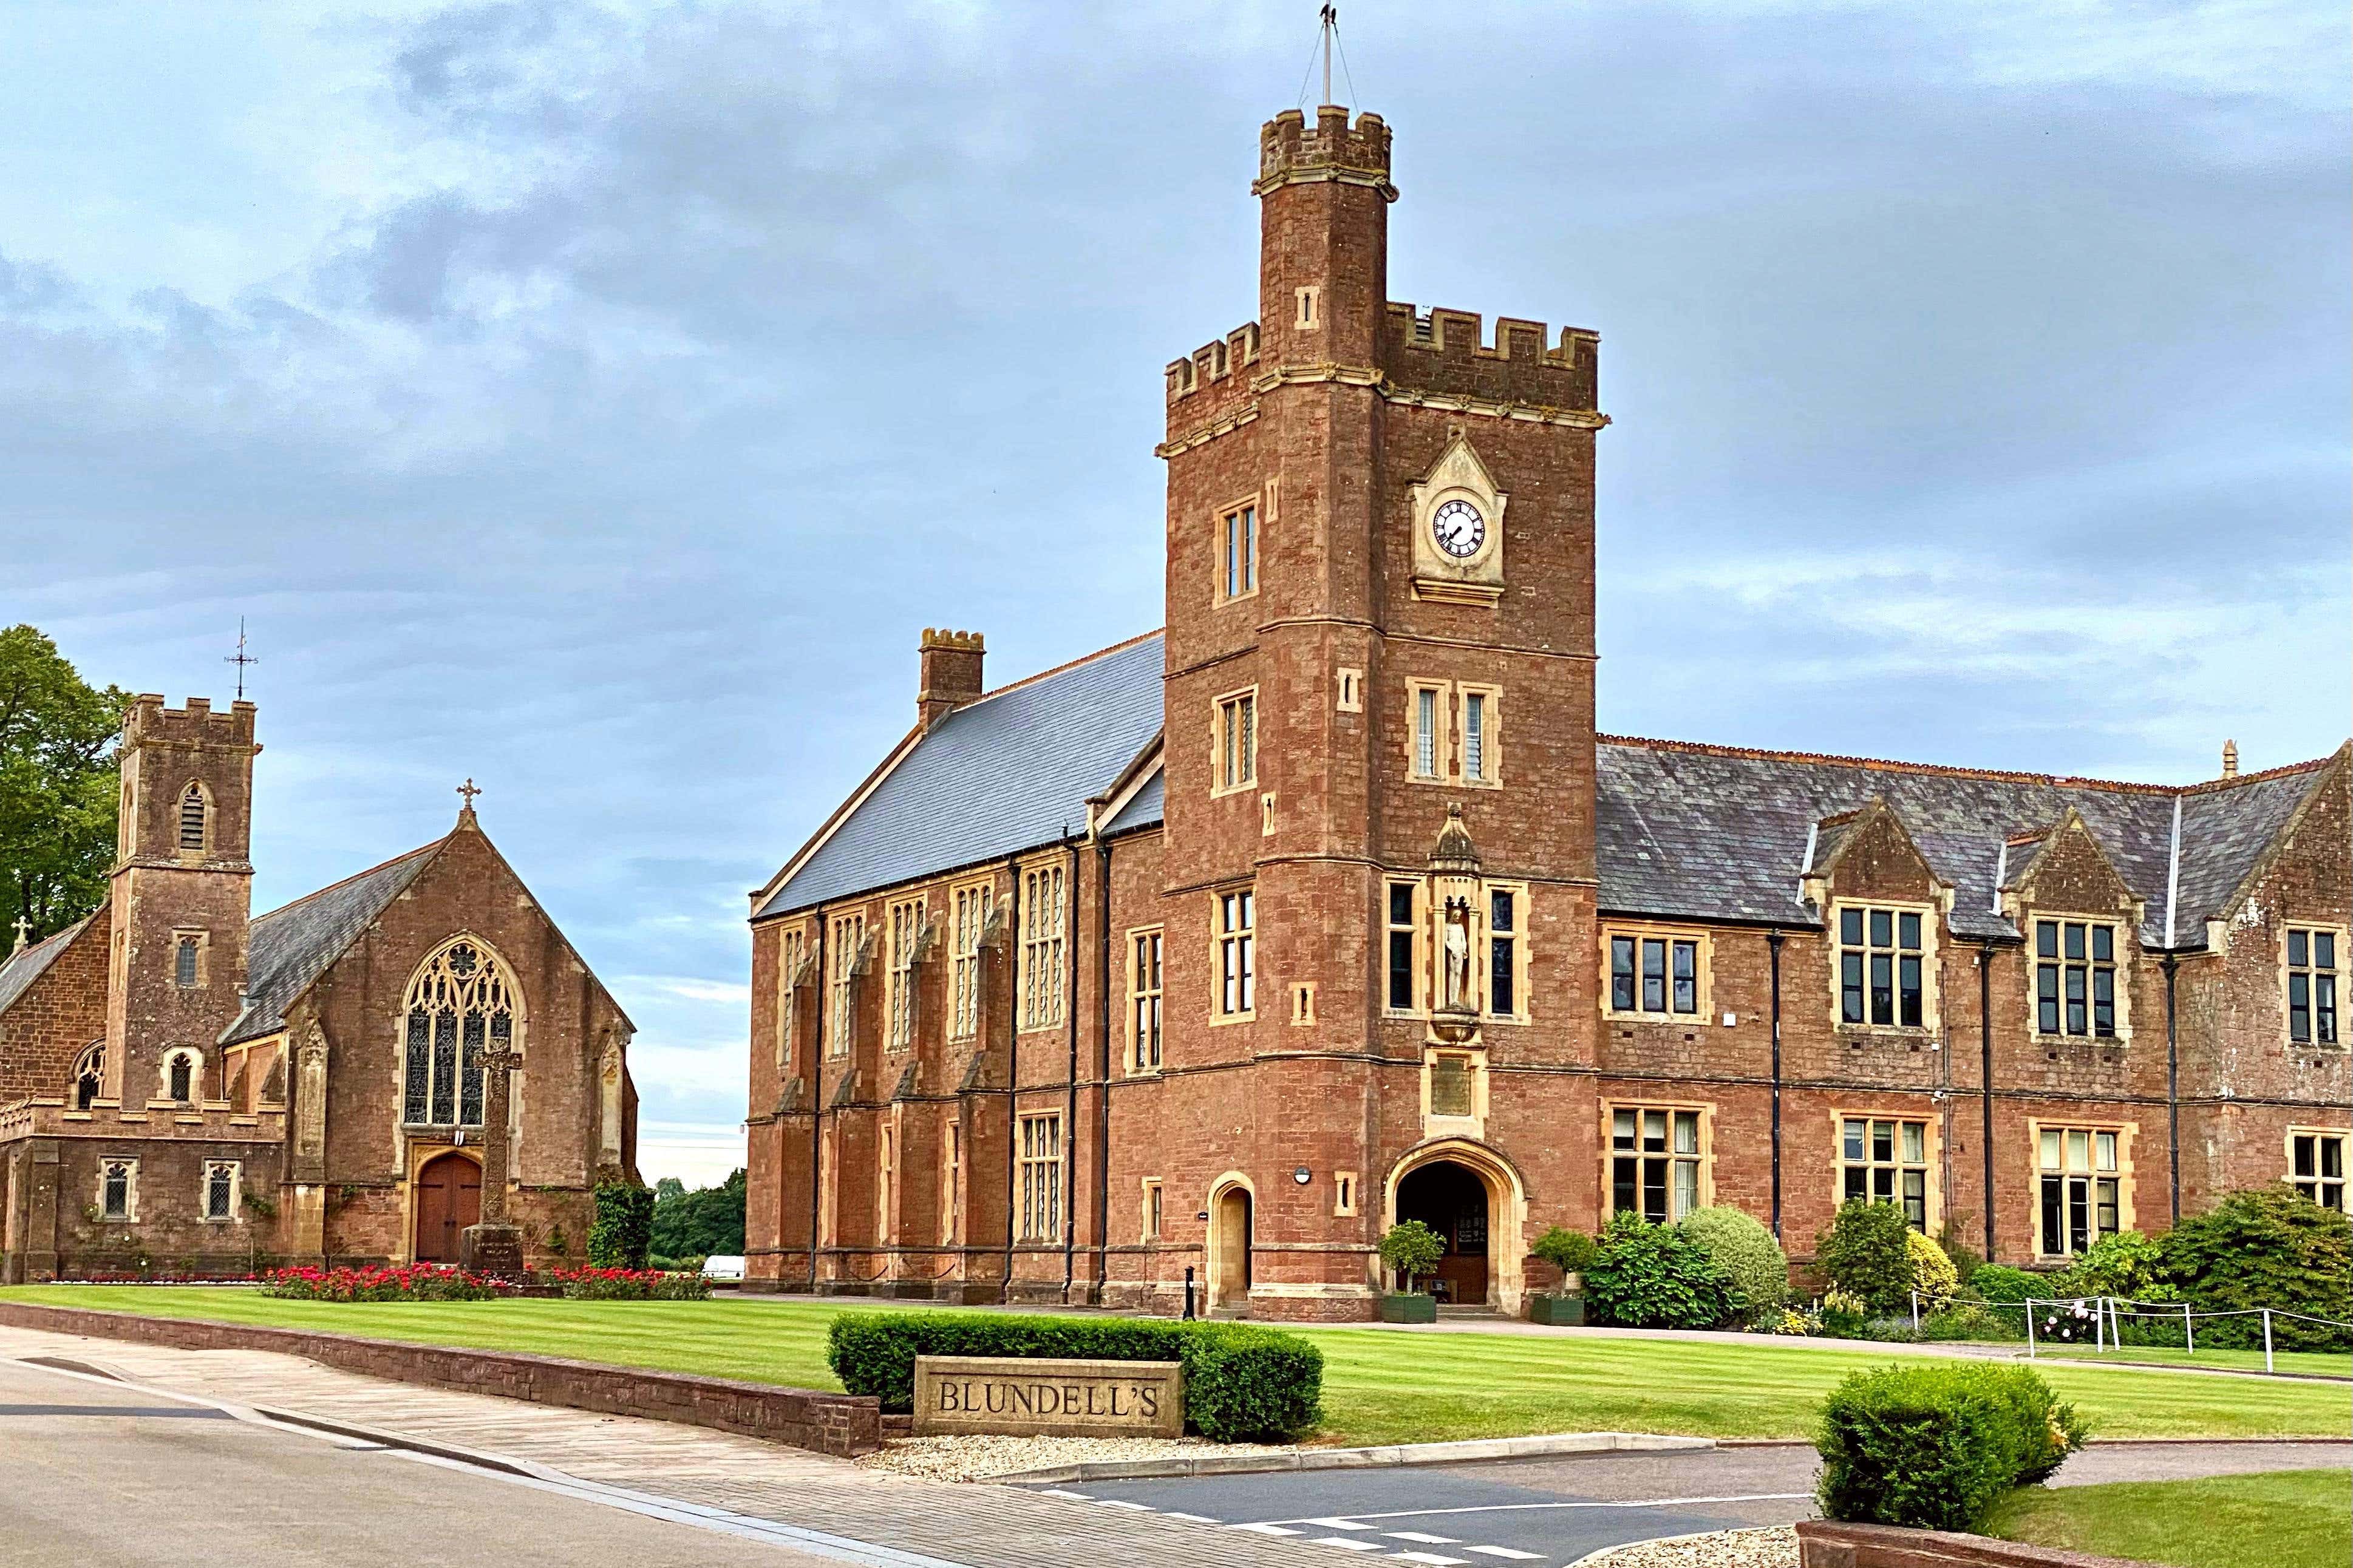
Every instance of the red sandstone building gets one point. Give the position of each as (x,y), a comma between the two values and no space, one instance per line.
(1220,951)
(186,1089)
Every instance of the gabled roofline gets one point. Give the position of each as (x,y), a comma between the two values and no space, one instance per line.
(1104,809)
(2333,767)
(1940,770)
(38,956)
(387,862)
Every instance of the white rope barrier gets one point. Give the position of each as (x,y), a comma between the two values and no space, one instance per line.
(2106,1315)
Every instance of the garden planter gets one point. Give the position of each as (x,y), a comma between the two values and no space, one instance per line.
(1557,1311)
(1414,1309)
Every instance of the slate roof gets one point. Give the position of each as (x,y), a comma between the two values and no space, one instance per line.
(292,944)
(1147,809)
(1718,833)
(18,972)
(1011,771)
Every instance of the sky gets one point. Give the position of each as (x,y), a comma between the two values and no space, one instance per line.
(598,400)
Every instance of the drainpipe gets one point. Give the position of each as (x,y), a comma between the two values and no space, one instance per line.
(816,1097)
(1773,944)
(1103,1063)
(2170,964)
(1012,1065)
(1070,1079)
(1985,1083)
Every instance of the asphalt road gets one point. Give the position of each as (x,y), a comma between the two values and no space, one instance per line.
(95,1475)
(1556,1510)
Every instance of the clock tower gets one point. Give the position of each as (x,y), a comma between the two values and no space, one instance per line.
(1380,633)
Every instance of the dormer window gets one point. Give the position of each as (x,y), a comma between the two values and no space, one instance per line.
(1880,971)
(191,818)
(2076,979)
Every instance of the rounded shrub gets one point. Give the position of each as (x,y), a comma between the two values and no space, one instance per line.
(2267,1246)
(1411,1250)
(1570,1251)
(2125,1265)
(2001,1283)
(1933,1446)
(1867,1252)
(1933,1274)
(1646,1276)
(1746,1255)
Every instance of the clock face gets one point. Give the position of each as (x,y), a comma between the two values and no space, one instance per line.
(1459,529)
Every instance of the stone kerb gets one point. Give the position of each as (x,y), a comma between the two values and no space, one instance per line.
(1037,1396)
(1826,1544)
(839,1424)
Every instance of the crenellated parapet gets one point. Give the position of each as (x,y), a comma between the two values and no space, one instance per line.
(1213,361)
(148,721)
(1292,152)
(1447,353)
(1211,391)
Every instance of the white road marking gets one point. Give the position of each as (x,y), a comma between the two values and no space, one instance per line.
(1074,1496)
(1188,1518)
(1349,1541)
(1504,1551)
(1266,1529)
(1333,1524)
(1120,1502)
(1417,1535)
(1529,1507)
(1433,1559)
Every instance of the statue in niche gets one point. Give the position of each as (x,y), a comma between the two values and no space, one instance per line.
(1456,941)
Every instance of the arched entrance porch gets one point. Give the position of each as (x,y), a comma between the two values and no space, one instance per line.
(1473,1198)
(1231,1206)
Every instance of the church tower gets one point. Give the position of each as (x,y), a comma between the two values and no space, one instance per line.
(1381,626)
(181,898)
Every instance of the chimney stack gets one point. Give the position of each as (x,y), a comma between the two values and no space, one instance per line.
(951,673)
(2230,759)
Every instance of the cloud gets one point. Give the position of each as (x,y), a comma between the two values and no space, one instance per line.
(596,399)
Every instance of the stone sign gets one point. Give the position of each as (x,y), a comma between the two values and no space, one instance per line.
(1037,1397)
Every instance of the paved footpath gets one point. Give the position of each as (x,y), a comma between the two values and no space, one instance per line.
(826,1508)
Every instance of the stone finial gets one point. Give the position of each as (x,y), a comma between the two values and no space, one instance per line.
(2230,759)
(1454,852)
(24,936)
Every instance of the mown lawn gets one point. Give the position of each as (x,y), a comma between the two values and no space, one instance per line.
(2289,1519)
(1379,1386)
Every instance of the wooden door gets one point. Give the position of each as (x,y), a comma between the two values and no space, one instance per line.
(448,1198)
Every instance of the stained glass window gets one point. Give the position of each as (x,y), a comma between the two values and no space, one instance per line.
(460,1001)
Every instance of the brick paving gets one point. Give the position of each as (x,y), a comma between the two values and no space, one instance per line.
(974,1526)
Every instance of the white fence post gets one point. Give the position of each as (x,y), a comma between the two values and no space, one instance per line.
(2099,1325)
(1915,1311)
(2188,1331)
(2267,1339)
(2030,1328)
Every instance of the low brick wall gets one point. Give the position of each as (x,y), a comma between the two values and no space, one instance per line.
(1822,1543)
(840,1424)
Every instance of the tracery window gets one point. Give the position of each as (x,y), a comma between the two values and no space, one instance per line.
(180,1076)
(118,1189)
(90,1076)
(220,1189)
(1042,914)
(971,919)
(461,1002)
(906,926)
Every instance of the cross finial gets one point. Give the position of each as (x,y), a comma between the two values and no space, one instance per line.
(241,659)
(468,792)
(24,935)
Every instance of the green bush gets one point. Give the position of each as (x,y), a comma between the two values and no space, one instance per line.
(1867,1252)
(1411,1250)
(1971,1321)
(1646,1276)
(1966,1261)
(2267,1246)
(623,1227)
(2122,1265)
(1241,1383)
(1932,1447)
(1745,1252)
(2000,1283)
(1570,1251)
(1933,1274)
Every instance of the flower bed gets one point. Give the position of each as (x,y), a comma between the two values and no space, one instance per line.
(402,1282)
(629,1285)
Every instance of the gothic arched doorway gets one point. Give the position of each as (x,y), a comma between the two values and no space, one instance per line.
(1230,1246)
(447,1197)
(1451,1200)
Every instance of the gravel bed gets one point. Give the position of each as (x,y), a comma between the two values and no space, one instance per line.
(979,1459)
(1773,1547)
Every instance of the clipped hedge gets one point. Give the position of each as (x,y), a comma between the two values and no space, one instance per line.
(1746,1254)
(1934,1448)
(1241,1383)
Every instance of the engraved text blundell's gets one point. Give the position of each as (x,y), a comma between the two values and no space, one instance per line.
(1037,1397)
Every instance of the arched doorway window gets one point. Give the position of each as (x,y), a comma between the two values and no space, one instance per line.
(448,1196)
(460,1000)
(1452,1200)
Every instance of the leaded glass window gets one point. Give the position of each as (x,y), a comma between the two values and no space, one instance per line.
(461,1001)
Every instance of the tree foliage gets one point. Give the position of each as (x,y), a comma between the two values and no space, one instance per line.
(58,786)
(1653,1277)
(702,1223)
(1411,1250)
(1868,1254)
(2267,1246)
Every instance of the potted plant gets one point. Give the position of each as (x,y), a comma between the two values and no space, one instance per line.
(1411,1250)
(1569,1251)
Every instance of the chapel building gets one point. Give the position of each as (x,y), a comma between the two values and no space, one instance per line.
(186,1089)
(1211,955)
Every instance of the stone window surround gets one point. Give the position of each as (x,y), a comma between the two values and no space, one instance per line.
(1350,689)
(1446,737)
(2126,1133)
(969,905)
(1703,970)
(1244,935)
(1705,1156)
(128,1164)
(2344,1140)
(1931,991)
(1038,1148)
(195,1060)
(903,925)
(1518,935)
(845,934)
(1224,710)
(1933,1143)
(2344,959)
(207,832)
(1153,1209)
(792,942)
(1348,1186)
(236,1190)
(203,941)
(1425,945)
(1045,933)
(1143,989)
(2123,965)
(1246,566)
